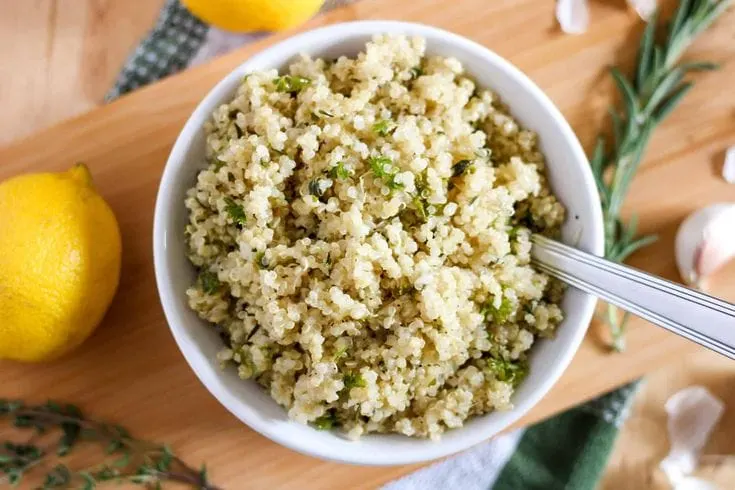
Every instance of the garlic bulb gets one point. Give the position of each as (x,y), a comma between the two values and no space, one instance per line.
(705,242)
(574,15)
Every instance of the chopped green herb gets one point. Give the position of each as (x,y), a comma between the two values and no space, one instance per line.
(290,83)
(499,315)
(325,113)
(508,371)
(388,176)
(354,381)
(339,172)
(420,205)
(404,288)
(416,72)
(378,164)
(315,188)
(340,353)
(246,361)
(384,127)
(461,167)
(209,281)
(236,212)
(218,164)
(267,351)
(393,185)
(326,422)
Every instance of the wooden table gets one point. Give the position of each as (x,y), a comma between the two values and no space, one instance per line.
(131,371)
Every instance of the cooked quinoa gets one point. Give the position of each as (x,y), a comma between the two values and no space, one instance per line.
(361,232)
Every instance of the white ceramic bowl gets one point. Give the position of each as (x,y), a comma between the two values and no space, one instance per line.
(571,181)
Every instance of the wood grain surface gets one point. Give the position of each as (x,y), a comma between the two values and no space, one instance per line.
(130,370)
(60,57)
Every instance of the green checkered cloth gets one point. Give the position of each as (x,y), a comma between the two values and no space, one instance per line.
(566,452)
(168,48)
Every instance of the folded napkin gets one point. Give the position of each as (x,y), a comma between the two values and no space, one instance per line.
(568,451)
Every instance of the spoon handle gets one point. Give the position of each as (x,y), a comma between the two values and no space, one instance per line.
(696,316)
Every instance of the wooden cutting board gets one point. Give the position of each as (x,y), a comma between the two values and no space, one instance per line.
(130,371)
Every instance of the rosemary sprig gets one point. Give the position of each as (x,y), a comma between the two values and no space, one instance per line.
(647,98)
(56,429)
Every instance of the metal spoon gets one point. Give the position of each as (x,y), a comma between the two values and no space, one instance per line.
(696,316)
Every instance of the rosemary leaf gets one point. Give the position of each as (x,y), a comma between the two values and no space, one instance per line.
(670,103)
(656,89)
(646,60)
(626,90)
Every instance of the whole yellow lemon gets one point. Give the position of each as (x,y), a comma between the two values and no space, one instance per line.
(253,15)
(60,254)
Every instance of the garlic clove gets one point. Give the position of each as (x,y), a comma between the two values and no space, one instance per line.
(705,241)
(728,168)
(692,415)
(692,483)
(573,16)
(644,8)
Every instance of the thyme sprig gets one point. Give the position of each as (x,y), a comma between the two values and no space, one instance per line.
(56,429)
(658,86)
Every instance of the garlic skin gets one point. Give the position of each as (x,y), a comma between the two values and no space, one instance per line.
(705,242)
(692,415)
(573,16)
(644,8)
(728,168)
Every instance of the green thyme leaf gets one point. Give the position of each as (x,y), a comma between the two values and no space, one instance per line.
(354,381)
(421,207)
(499,315)
(383,169)
(291,83)
(154,464)
(315,188)
(326,422)
(384,127)
(507,371)
(394,185)
(340,353)
(514,231)
(339,172)
(235,211)
(58,477)
(71,434)
(378,165)
(209,281)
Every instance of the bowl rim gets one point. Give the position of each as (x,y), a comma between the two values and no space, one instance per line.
(177,157)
